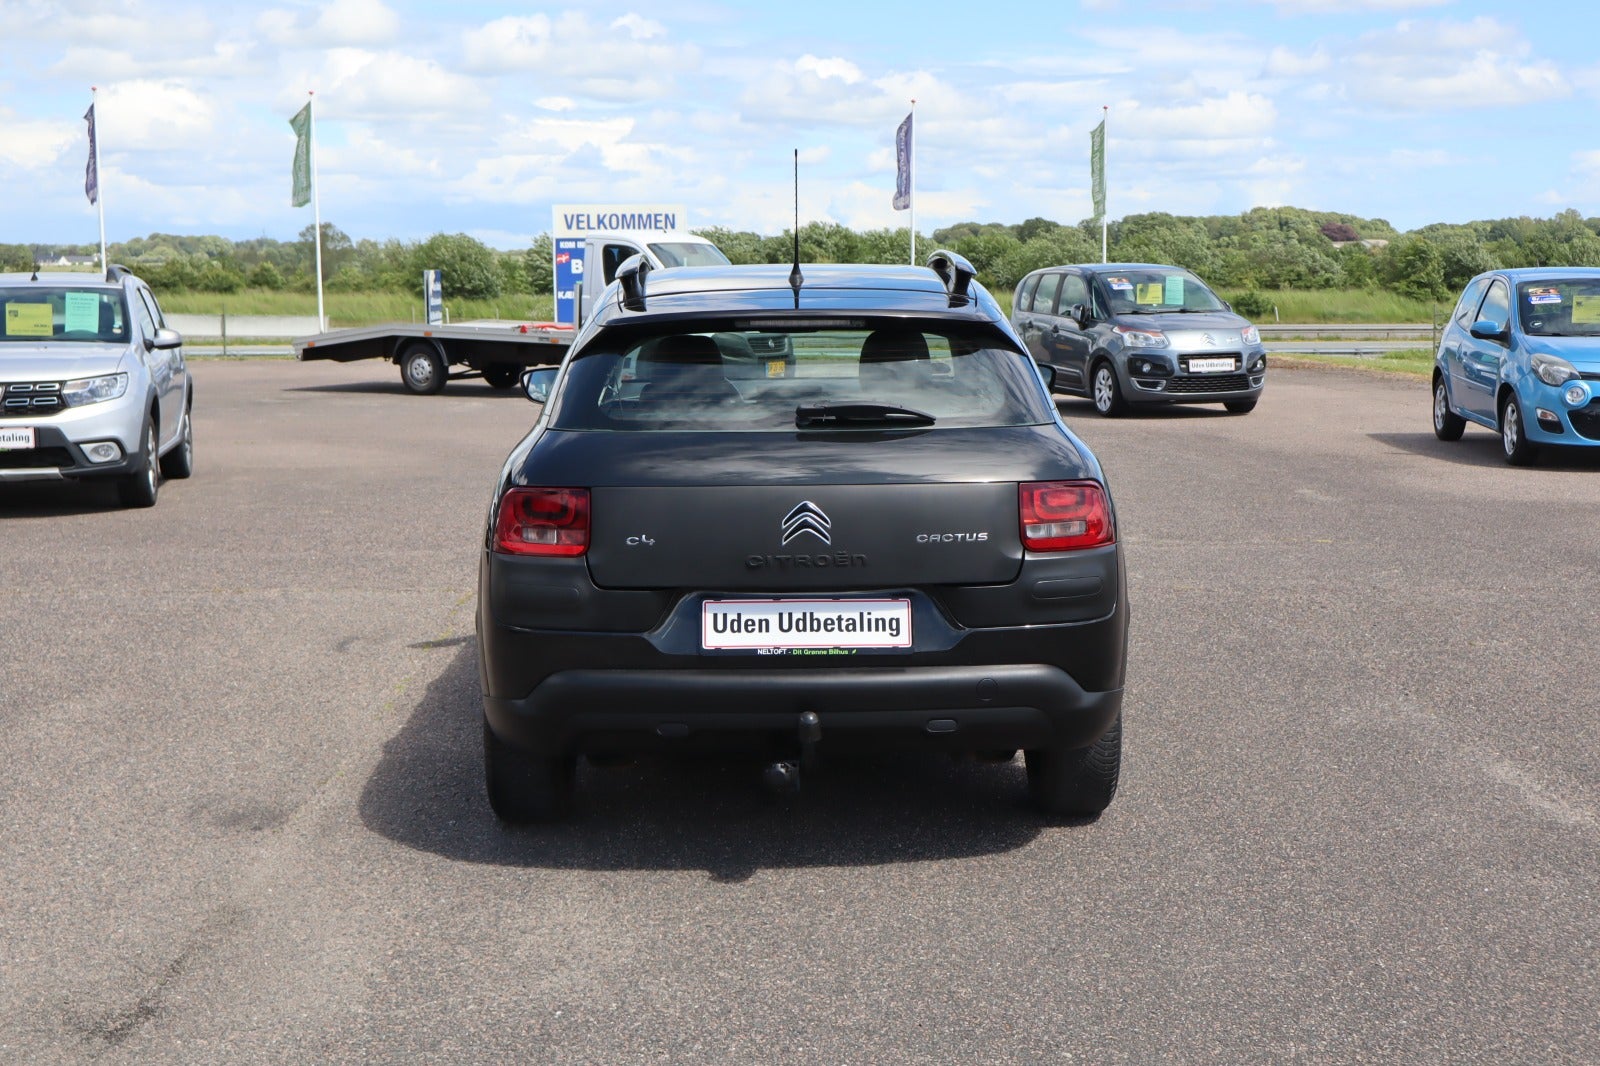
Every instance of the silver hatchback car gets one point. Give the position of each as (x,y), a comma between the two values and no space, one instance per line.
(1139,334)
(92,384)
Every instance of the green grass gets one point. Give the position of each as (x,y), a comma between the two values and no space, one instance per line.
(1344,305)
(353,308)
(1416,362)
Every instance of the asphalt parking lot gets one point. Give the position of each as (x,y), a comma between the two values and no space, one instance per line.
(243,818)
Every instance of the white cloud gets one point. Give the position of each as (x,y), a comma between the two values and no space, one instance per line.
(840,69)
(34,145)
(1416,159)
(1285,63)
(1236,116)
(639,27)
(1348,7)
(342,23)
(353,83)
(624,61)
(154,116)
(1427,66)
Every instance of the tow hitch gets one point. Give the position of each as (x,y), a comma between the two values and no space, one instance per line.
(783,778)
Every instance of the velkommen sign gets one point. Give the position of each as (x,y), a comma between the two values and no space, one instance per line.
(571,223)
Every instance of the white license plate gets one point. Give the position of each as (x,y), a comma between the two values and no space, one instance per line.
(1210,366)
(16,437)
(752,624)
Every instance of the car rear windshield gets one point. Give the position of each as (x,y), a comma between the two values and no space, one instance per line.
(1562,308)
(34,313)
(1156,290)
(784,379)
(688,254)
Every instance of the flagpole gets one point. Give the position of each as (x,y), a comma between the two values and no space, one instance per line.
(99,193)
(316,205)
(911,182)
(1105,113)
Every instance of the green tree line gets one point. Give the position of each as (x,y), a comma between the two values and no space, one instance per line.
(1260,250)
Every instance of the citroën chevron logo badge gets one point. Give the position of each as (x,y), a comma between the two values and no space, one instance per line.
(807,517)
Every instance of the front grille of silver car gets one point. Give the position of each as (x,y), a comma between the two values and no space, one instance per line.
(1191,384)
(35,459)
(31,398)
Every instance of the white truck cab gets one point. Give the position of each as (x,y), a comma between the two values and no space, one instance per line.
(604,252)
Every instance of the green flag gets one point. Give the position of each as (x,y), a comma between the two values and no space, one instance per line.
(1097,168)
(301,124)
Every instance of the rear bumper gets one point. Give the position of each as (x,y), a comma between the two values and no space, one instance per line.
(959,708)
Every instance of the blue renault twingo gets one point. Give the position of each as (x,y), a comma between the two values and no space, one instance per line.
(1521,355)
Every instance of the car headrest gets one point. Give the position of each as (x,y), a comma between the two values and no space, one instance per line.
(894,346)
(685,350)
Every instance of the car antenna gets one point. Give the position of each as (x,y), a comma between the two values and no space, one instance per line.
(796,279)
(35,271)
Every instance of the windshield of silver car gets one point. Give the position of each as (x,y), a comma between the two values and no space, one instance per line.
(35,313)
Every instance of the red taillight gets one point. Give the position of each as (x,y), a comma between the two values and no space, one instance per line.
(1059,516)
(543,522)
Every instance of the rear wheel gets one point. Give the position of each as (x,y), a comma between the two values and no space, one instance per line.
(502,375)
(1077,781)
(139,488)
(1106,393)
(1519,450)
(1447,425)
(422,369)
(179,462)
(524,787)
(1239,407)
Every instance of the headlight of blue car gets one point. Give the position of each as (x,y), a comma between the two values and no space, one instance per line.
(94,390)
(1553,371)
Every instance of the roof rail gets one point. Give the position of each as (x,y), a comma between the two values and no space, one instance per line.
(116,272)
(956,273)
(631,275)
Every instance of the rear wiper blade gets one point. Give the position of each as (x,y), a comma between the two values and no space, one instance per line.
(812,416)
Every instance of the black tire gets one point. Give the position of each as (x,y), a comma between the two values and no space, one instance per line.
(1447,425)
(139,488)
(1239,407)
(1514,442)
(1078,782)
(524,787)
(422,369)
(502,375)
(179,462)
(1105,392)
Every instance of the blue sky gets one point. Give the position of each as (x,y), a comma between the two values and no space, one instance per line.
(476,117)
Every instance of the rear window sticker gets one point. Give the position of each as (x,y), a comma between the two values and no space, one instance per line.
(1550,295)
(1174,290)
(1586,309)
(1148,292)
(1120,284)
